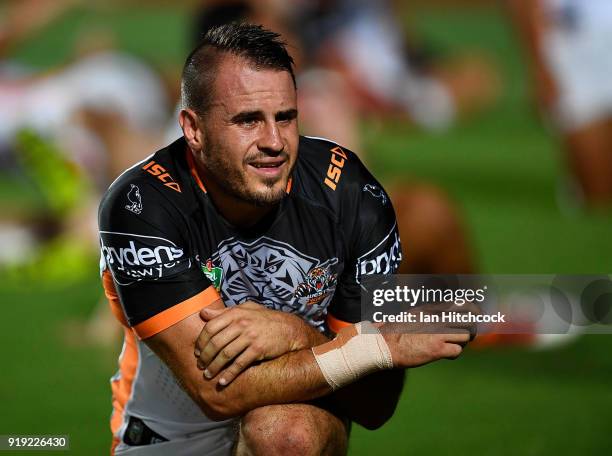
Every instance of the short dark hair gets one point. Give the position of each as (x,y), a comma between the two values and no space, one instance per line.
(260,47)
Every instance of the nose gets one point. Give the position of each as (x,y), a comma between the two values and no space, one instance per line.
(270,140)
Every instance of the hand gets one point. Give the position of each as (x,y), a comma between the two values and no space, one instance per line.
(233,338)
(416,344)
(414,350)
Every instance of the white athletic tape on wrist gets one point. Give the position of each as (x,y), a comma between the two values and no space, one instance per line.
(356,351)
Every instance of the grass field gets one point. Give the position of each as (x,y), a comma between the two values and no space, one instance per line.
(502,169)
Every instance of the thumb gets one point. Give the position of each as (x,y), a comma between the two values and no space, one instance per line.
(208,313)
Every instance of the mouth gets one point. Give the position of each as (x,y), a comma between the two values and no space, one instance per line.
(268,168)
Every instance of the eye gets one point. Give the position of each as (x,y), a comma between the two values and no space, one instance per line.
(248,122)
(286,117)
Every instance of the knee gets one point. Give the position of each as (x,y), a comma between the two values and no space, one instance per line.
(279,434)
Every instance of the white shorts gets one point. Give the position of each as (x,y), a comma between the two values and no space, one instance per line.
(217,442)
(578,51)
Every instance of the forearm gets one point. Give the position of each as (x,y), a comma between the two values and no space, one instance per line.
(293,377)
(297,377)
(305,336)
(378,393)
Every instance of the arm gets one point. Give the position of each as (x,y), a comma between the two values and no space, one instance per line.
(378,393)
(251,332)
(293,377)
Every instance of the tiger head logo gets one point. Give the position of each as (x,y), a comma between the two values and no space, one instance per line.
(317,284)
(277,275)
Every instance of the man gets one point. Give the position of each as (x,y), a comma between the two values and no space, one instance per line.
(244,252)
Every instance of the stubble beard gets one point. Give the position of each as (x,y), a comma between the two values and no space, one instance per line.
(234,182)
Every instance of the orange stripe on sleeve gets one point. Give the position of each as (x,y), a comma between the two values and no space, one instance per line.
(336,324)
(113,299)
(174,314)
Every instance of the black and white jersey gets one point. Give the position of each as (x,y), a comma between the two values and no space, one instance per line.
(164,242)
(166,252)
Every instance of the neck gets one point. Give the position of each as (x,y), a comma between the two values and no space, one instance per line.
(236,211)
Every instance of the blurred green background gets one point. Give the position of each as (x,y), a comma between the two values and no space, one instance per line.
(501,168)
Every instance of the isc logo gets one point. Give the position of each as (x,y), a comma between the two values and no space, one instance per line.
(160,172)
(334,171)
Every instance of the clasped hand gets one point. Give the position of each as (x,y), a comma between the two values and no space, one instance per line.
(234,338)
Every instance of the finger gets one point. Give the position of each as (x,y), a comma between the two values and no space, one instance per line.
(451,351)
(458,337)
(216,344)
(208,313)
(211,328)
(226,355)
(472,327)
(247,358)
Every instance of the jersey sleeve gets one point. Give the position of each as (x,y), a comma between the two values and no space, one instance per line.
(145,247)
(372,244)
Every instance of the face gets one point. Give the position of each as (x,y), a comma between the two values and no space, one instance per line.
(249,134)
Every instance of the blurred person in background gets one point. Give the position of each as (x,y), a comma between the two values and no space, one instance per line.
(71,130)
(358,50)
(18,21)
(21,18)
(568,44)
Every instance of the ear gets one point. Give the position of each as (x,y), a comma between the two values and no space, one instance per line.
(188,121)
